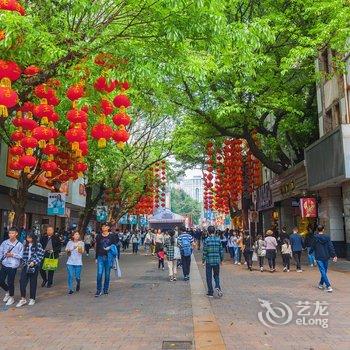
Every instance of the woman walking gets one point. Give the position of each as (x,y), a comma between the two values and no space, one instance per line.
(88,243)
(135,240)
(159,241)
(248,251)
(240,247)
(33,253)
(231,246)
(260,248)
(170,244)
(286,250)
(74,250)
(271,245)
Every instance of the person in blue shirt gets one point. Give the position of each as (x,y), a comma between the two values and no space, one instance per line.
(296,243)
(323,248)
(185,243)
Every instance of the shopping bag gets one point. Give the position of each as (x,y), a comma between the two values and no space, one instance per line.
(177,253)
(50,263)
(255,257)
(118,272)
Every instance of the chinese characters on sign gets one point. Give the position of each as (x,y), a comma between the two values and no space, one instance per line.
(308,207)
(56,204)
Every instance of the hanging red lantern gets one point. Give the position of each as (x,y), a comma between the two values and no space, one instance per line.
(74,136)
(29,124)
(15,165)
(120,137)
(27,162)
(106,107)
(49,166)
(50,149)
(44,112)
(121,119)
(8,99)
(31,71)
(75,92)
(80,168)
(9,72)
(17,136)
(77,116)
(29,143)
(42,134)
(16,150)
(102,133)
(122,101)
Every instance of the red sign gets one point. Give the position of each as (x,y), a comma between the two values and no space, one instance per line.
(308,207)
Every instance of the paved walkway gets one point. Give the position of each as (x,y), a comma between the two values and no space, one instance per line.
(237,312)
(143,310)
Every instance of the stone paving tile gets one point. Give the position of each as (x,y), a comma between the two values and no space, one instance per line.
(237,311)
(142,310)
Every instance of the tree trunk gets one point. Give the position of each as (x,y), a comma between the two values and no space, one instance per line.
(90,206)
(19,199)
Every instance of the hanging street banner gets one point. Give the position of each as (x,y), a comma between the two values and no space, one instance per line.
(308,207)
(101,213)
(56,204)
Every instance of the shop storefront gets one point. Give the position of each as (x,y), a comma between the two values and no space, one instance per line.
(265,208)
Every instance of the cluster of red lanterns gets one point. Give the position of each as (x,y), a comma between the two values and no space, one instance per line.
(208,200)
(12,5)
(102,131)
(160,184)
(253,172)
(145,205)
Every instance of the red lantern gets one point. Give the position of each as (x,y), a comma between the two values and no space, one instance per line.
(15,165)
(31,70)
(121,101)
(42,134)
(44,91)
(50,149)
(77,116)
(44,112)
(74,136)
(106,107)
(17,136)
(9,72)
(124,85)
(27,162)
(75,92)
(121,119)
(29,124)
(8,99)
(80,167)
(30,143)
(49,166)
(102,133)
(16,150)
(120,136)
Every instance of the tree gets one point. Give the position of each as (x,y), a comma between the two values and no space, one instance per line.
(183,204)
(257,79)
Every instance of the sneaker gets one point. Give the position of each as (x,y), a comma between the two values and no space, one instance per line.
(273,270)
(300,270)
(218,292)
(171,279)
(21,303)
(239,263)
(98,294)
(235,263)
(43,284)
(284,269)
(105,292)
(31,302)
(261,269)
(87,254)
(174,279)
(163,268)
(328,289)
(287,270)
(210,295)
(321,286)
(6,297)
(10,301)
(311,265)
(70,292)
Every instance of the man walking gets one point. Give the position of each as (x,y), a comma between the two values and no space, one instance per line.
(296,243)
(323,248)
(106,251)
(213,254)
(52,248)
(185,243)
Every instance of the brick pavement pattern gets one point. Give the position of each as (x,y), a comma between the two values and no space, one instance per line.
(142,310)
(237,311)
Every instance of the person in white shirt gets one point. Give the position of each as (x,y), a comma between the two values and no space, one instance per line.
(74,250)
(11,252)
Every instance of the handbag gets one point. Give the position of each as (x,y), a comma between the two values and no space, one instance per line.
(255,257)
(263,252)
(118,272)
(50,263)
(177,253)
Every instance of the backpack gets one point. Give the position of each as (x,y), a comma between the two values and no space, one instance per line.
(186,246)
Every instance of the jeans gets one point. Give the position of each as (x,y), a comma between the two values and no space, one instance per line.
(297,257)
(286,260)
(73,271)
(172,265)
(160,263)
(311,257)
(271,257)
(261,261)
(237,254)
(231,250)
(135,247)
(103,267)
(209,270)
(32,278)
(323,267)
(87,248)
(186,263)
(9,274)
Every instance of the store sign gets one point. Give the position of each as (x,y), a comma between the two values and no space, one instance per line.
(288,187)
(308,207)
(264,197)
(56,204)
(101,213)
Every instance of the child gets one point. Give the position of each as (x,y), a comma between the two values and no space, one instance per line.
(286,254)
(160,256)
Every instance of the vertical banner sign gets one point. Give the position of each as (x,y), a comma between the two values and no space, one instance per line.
(56,204)
(101,213)
(308,207)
